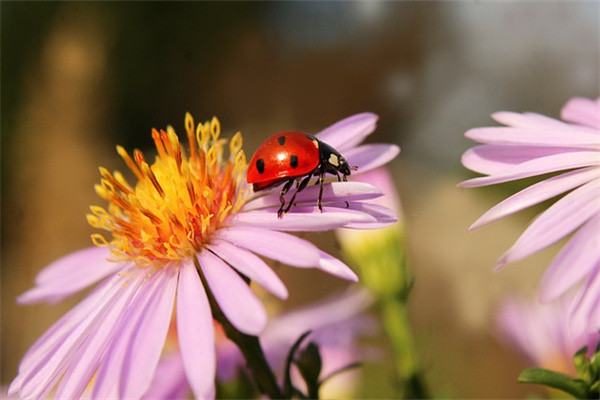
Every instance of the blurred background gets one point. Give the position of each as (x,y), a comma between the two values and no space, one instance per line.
(79,78)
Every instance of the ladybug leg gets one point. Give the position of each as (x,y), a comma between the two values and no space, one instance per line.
(284,190)
(300,187)
(320,181)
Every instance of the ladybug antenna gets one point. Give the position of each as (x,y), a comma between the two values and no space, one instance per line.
(354,168)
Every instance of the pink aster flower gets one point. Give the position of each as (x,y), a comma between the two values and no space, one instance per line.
(189,216)
(534,145)
(541,334)
(336,324)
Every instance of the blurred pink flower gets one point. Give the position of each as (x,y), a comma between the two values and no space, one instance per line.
(540,332)
(187,214)
(533,145)
(336,323)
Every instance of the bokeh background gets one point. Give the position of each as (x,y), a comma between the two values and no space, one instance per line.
(78,78)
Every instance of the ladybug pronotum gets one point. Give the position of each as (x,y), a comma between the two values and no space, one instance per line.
(294,156)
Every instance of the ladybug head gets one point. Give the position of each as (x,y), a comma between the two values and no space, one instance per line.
(343,166)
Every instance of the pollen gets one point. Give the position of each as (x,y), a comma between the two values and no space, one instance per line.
(179,200)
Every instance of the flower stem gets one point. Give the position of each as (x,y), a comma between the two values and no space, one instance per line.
(398,329)
(249,346)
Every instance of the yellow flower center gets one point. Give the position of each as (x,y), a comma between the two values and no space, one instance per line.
(178,201)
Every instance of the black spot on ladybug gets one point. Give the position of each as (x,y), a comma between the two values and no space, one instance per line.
(294,161)
(281,140)
(260,165)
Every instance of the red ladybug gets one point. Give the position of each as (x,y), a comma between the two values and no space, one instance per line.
(294,156)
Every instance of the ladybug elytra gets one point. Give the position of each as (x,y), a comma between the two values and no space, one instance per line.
(294,156)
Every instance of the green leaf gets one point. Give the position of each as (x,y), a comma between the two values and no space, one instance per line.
(309,364)
(556,380)
(288,388)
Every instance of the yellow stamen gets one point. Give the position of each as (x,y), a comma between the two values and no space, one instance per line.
(178,201)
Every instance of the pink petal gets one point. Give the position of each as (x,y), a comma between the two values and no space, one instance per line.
(528,120)
(582,111)
(537,193)
(495,159)
(169,380)
(196,332)
(575,261)
(302,219)
(279,246)
(349,191)
(69,275)
(349,132)
(383,216)
(538,166)
(251,266)
(109,379)
(56,335)
(149,338)
(47,370)
(569,137)
(335,267)
(370,156)
(333,311)
(236,300)
(584,311)
(563,217)
(88,357)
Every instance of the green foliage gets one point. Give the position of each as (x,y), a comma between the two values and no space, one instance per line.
(584,386)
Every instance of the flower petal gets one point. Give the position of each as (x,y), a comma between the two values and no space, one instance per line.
(493,159)
(279,246)
(88,357)
(332,311)
(538,166)
(563,217)
(537,193)
(528,120)
(349,191)
(69,275)
(169,380)
(349,132)
(53,337)
(575,261)
(370,156)
(582,111)
(251,266)
(148,339)
(109,381)
(236,300)
(335,267)
(540,136)
(43,373)
(584,311)
(303,219)
(196,332)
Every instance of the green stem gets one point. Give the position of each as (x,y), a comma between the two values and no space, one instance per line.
(397,326)
(249,346)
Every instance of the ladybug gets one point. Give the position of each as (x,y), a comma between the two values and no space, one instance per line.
(294,156)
